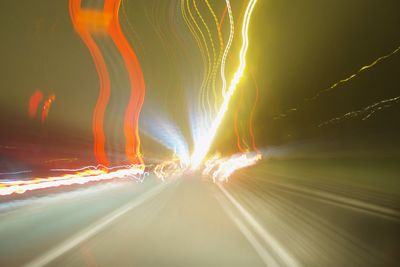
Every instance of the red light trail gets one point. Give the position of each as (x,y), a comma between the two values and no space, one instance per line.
(34,102)
(131,122)
(106,22)
(86,22)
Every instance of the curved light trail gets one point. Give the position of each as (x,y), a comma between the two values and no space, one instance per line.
(85,23)
(106,22)
(212,74)
(137,85)
(228,45)
(337,84)
(203,145)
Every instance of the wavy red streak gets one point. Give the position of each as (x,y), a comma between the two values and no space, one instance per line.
(253,140)
(137,85)
(236,128)
(238,142)
(83,30)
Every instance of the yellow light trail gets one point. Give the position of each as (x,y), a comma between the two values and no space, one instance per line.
(208,67)
(203,145)
(218,60)
(354,75)
(212,69)
(228,46)
(337,85)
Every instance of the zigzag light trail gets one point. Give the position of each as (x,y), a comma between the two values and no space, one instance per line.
(337,84)
(366,112)
(203,145)
(362,69)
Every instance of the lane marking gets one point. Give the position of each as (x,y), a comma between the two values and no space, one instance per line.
(280,251)
(259,248)
(95,228)
(342,201)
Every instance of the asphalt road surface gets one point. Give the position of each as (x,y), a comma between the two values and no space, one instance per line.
(272,214)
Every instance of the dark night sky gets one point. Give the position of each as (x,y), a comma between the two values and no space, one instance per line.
(297,48)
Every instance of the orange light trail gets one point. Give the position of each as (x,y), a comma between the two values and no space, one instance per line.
(46,107)
(131,121)
(34,102)
(85,23)
(106,22)
(223,17)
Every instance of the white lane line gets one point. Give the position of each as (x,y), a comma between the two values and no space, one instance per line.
(259,248)
(342,201)
(71,243)
(280,251)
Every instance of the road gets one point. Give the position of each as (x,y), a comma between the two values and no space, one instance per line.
(266,215)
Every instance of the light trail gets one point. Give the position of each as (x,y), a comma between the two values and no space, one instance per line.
(340,82)
(220,169)
(228,44)
(203,145)
(213,63)
(185,15)
(251,119)
(236,130)
(238,126)
(204,53)
(86,23)
(362,69)
(220,53)
(208,64)
(366,111)
(34,102)
(137,85)
(170,168)
(94,167)
(106,22)
(46,107)
(221,22)
(90,175)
